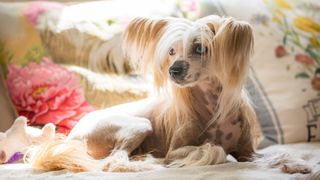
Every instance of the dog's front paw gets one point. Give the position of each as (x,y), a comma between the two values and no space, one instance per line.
(292,168)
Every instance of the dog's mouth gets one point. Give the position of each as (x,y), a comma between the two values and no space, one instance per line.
(179,82)
(187,80)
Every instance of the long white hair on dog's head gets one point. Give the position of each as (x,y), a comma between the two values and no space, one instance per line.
(141,43)
(229,42)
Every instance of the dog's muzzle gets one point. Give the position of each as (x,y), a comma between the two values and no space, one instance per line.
(179,70)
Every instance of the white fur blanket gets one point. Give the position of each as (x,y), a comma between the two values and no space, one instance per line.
(310,152)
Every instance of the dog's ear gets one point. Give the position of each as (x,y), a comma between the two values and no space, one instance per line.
(233,45)
(140,40)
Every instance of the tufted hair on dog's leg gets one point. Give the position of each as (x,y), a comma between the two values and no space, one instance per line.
(206,154)
(119,161)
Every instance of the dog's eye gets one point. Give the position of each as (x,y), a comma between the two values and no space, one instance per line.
(200,50)
(172,52)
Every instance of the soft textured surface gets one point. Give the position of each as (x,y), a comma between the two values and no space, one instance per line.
(232,170)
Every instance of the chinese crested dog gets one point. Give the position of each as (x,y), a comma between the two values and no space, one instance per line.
(201,112)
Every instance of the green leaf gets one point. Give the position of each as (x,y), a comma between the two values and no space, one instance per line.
(284,40)
(111,22)
(302,75)
(311,52)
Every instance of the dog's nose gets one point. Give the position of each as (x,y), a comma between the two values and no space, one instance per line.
(175,71)
(179,69)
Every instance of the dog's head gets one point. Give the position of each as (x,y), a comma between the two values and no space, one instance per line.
(186,52)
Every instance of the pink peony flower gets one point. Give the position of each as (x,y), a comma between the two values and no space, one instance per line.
(47,92)
(304,59)
(35,9)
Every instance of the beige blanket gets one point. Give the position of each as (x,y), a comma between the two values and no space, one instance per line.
(310,152)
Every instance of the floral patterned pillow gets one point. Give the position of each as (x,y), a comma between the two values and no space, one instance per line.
(299,25)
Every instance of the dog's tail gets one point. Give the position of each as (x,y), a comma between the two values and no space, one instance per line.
(61,154)
(72,155)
